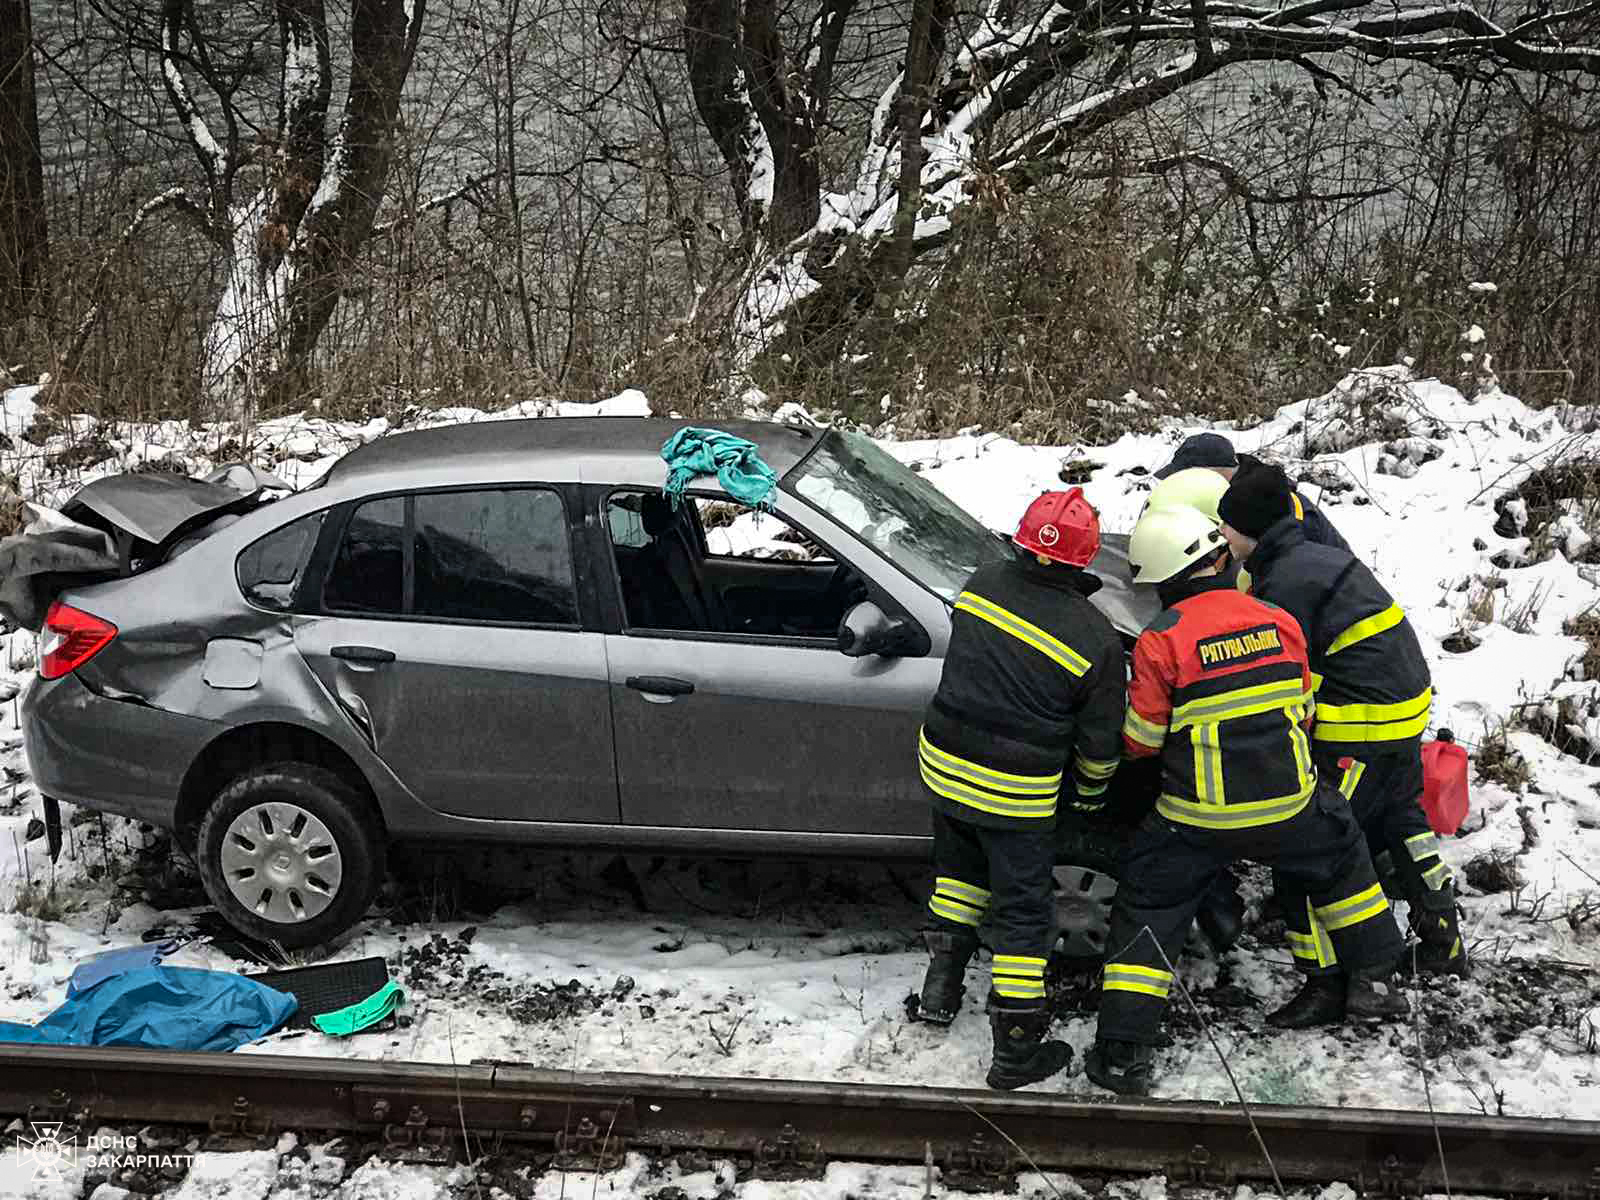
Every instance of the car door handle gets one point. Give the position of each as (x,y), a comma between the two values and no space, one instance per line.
(660,685)
(363,654)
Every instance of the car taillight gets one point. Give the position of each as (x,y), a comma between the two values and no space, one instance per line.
(71,638)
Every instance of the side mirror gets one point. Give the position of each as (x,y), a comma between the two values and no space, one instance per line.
(866,630)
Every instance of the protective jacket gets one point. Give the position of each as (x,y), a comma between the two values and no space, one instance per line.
(1033,678)
(1318,528)
(1222,691)
(1373,689)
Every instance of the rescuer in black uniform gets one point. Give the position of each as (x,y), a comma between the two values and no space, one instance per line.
(1373,695)
(1221,691)
(1029,710)
(1216,452)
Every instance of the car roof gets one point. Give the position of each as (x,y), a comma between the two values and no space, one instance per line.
(493,447)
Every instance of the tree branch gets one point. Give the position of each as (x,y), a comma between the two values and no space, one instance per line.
(1232,178)
(213,159)
(173,198)
(305,88)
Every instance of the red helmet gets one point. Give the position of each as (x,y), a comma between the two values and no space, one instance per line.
(1061,526)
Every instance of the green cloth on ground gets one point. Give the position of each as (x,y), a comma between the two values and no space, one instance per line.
(736,463)
(363,1014)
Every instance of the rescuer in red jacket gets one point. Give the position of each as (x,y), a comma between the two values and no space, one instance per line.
(1221,690)
(1028,715)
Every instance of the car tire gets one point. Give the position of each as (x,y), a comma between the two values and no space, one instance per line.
(299,901)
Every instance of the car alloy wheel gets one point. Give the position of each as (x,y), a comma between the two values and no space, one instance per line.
(281,863)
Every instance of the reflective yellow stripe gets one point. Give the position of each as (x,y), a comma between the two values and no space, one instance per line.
(1321,944)
(1316,682)
(1146,733)
(1096,768)
(1020,960)
(1353,910)
(1130,977)
(1242,702)
(1422,845)
(1305,773)
(1436,876)
(1302,945)
(962,891)
(1208,764)
(1399,721)
(954,910)
(1017,976)
(1051,647)
(963,768)
(1299,506)
(1351,779)
(1232,816)
(985,801)
(1368,627)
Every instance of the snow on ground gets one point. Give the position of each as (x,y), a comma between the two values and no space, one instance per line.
(783,970)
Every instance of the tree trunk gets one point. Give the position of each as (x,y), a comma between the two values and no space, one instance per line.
(290,247)
(24,253)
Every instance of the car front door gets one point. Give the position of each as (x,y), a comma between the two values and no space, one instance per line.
(719,727)
(449,633)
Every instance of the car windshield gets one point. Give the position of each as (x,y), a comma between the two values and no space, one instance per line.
(895,511)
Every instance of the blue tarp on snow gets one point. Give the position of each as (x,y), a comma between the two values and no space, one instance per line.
(162,1008)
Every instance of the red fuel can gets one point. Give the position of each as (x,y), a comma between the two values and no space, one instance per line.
(1444,783)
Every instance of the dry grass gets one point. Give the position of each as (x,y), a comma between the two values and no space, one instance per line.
(1586,625)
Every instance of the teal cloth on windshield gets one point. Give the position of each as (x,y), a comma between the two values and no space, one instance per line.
(737,464)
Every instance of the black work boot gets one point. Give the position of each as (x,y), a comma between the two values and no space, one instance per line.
(1373,996)
(942,987)
(1438,929)
(1121,1067)
(1221,913)
(1320,1001)
(1021,1055)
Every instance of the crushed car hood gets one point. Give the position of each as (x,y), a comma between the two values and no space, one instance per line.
(1129,606)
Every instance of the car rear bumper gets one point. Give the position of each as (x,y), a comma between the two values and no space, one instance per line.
(112,756)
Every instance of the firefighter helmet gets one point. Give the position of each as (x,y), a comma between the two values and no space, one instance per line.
(1061,526)
(1167,541)
(1199,488)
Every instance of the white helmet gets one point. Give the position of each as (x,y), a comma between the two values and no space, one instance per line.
(1199,488)
(1166,541)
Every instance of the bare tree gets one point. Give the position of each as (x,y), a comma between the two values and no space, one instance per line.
(1032,92)
(288,209)
(24,243)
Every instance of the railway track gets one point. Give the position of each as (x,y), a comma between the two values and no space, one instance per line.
(419,1112)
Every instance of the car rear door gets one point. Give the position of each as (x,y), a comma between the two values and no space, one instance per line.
(449,632)
(744,731)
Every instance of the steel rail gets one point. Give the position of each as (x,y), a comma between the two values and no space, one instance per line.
(800,1124)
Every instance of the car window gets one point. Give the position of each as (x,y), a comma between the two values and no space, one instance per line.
(270,569)
(494,555)
(754,577)
(368,572)
(734,531)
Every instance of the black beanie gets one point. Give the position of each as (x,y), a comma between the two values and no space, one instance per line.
(1257,499)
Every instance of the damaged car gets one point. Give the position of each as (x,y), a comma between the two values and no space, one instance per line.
(507,632)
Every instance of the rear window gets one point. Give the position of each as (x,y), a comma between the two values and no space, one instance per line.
(499,555)
(270,569)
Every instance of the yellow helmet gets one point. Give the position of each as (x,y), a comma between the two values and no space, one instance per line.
(1199,488)
(1166,541)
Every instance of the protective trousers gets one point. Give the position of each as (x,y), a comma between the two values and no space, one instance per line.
(1003,874)
(1170,867)
(1385,795)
